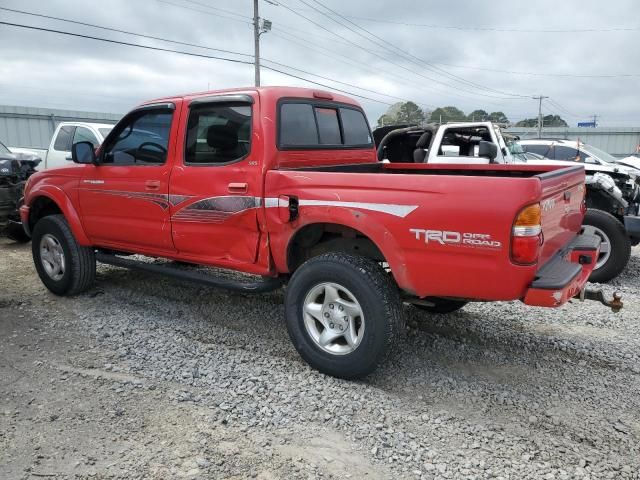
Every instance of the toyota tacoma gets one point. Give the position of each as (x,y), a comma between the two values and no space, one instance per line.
(283,186)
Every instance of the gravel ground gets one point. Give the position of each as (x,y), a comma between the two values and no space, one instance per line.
(145,377)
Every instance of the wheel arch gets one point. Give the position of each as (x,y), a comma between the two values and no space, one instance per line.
(368,240)
(53,201)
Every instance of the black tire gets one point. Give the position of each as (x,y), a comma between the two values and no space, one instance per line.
(15,232)
(379,301)
(441,305)
(79,262)
(620,244)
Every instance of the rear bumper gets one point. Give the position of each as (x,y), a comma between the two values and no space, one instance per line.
(565,275)
(632,226)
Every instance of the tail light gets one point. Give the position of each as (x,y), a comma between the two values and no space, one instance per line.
(526,235)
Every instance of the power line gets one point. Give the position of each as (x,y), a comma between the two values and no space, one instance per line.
(218,9)
(110,29)
(191,54)
(470,67)
(538,74)
(377,55)
(194,45)
(206,12)
(416,60)
(496,29)
(380,73)
(348,61)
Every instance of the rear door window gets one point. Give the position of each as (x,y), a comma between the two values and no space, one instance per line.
(218,133)
(64,140)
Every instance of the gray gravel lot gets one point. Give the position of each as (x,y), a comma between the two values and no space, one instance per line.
(145,377)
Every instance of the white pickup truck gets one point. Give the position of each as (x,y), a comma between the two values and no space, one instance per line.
(612,195)
(67,133)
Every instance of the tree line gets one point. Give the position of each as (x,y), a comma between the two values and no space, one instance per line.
(410,113)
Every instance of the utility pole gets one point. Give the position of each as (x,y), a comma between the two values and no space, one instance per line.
(259,27)
(595,121)
(540,98)
(256,42)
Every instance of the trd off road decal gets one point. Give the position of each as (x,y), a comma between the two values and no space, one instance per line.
(443,237)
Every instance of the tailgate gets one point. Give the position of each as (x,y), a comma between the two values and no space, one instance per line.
(563,193)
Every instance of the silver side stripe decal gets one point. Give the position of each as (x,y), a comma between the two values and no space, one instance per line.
(218,209)
(388,208)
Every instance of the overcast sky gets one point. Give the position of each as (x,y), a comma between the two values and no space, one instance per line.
(452,57)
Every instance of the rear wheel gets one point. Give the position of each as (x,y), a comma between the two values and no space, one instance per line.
(64,267)
(441,305)
(615,246)
(343,314)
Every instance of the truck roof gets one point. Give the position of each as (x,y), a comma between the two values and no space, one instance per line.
(272,92)
(88,124)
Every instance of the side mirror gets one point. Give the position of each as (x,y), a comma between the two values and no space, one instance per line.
(83,152)
(487,150)
(590,160)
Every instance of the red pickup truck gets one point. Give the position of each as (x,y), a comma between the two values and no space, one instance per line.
(283,184)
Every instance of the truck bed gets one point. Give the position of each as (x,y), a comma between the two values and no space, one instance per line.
(391,202)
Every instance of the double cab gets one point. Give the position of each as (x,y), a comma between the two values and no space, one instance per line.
(284,186)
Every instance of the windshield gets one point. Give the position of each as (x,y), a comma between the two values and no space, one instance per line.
(599,154)
(4,149)
(515,148)
(105,131)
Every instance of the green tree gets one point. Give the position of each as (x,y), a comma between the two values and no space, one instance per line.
(547,121)
(478,116)
(498,117)
(403,113)
(448,114)
(386,119)
(411,113)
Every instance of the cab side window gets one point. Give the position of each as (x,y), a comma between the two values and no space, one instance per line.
(142,139)
(83,134)
(218,133)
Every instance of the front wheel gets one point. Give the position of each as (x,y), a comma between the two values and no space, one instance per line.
(615,245)
(64,267)
(343,314)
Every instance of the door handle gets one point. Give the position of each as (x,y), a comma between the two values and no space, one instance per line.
(152,184)
(238,187)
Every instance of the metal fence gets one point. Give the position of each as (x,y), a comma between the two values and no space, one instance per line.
(618,141)
(29,127)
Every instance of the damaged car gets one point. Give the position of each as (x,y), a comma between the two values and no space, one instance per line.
(15,170)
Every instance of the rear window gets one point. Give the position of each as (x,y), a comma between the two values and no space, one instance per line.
(298,125)
(309,125)
(356,129)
